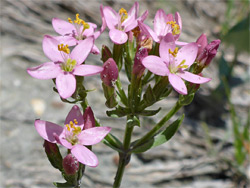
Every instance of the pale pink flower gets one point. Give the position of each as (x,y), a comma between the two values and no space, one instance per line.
(73,31)
(164,24)
(121,23)
(73,136)
(64,66)
(174,63)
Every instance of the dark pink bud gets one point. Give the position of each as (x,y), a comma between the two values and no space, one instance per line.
(138,68)
(70,164)
(208,53)
(110,72)
(50,148)
(89,119)
(106,53)
(202,43)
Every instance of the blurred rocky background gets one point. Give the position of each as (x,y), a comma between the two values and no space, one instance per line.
(200,155)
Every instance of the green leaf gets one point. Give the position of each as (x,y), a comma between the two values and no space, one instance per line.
(186,99)
(134,122)
(149,96)
(160,138)
(239,35)
(66,184)
(149,112)
(118,112)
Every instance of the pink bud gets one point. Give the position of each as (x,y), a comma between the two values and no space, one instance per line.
(110,72)
(208,53)
(138,68)
(89,119)
(70,164)
(202,43)
(50,148)
(106,53)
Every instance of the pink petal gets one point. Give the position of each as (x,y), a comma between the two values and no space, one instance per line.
(148,31)
(193,77)
(143,16)
(134,10)
(160,23)
(63,27)
(156,65)
(84,155)
(87,70)
(89,119)
(89,32)
(179,43)
(129,24)
(69,40)
(93,135)
(177,83)
(45,71)
(75,113)
(50,48)
(65,84)
(61,140)
(95,50)
(111,17)
(179,22)
(117,36)
(82,50)
(187,53)
(47,129)
(167,43)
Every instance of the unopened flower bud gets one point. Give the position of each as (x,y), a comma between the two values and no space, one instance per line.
(106,53)
(89,119)
(70,164)
(110,72)
(138,68)
(208,53)
(53,154)
(202,43)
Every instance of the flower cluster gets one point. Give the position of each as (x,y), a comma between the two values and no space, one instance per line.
(155,61)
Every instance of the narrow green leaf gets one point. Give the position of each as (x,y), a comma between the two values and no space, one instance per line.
(149,112)
(118,112)
(66,184)
(160,138)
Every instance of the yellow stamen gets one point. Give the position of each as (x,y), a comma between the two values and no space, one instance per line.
(123,13)
(175,27)
(75,121)
(64,48)
(70,21)
(71,124)
(68,128)
(174,53)
(182,66)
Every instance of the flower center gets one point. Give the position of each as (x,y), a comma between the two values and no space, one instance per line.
(172,66)
(72,131)
(78,23)
(68,65)
(175,27)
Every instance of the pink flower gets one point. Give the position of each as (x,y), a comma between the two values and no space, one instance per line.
(173,63)
(121,23)
(74,31)
(73,136)
(65,65)
(164,24)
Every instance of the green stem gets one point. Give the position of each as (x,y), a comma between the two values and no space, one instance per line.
(124,157)
(121,92)
(159,125)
